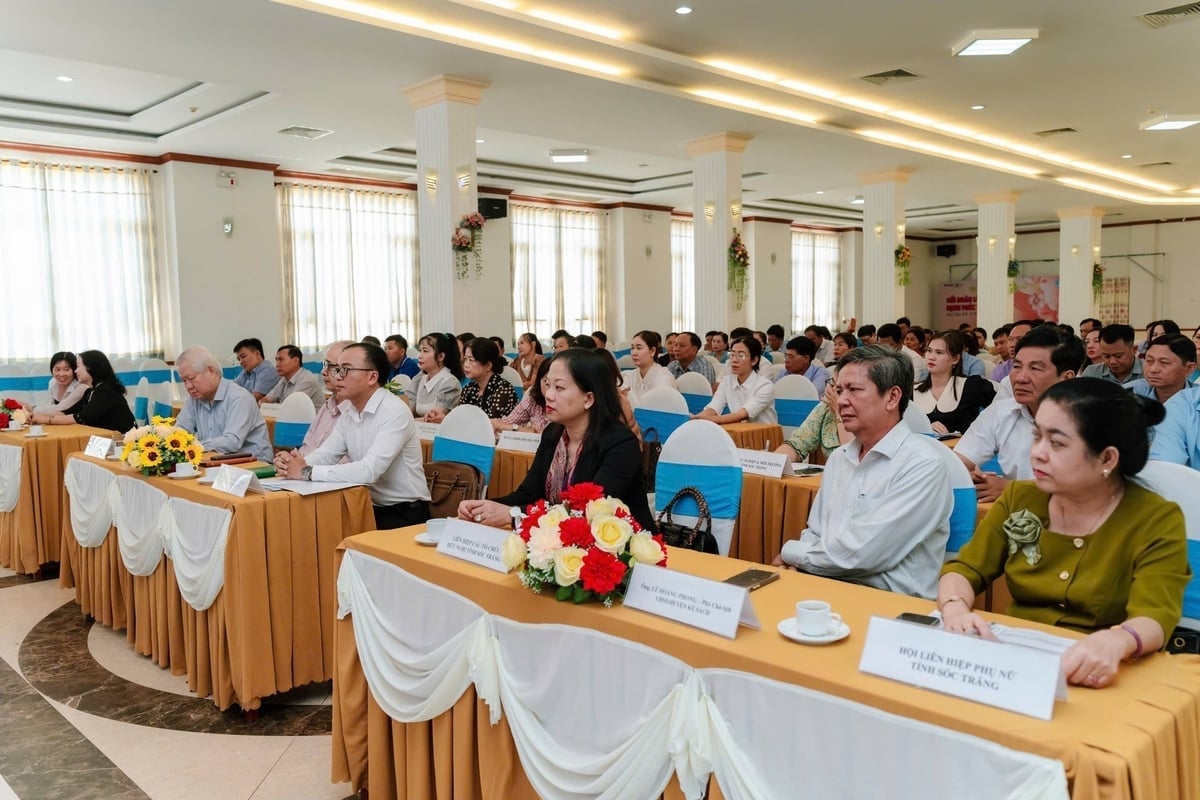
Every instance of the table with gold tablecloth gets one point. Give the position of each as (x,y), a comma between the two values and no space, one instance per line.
(271,626)
(1135,739)
(29,533)
(754,435)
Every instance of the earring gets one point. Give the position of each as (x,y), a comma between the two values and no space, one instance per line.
(1105,472)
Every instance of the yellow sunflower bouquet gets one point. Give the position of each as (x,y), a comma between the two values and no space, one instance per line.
(156,448)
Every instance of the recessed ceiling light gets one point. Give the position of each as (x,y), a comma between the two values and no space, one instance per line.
(1170,122)
(568,156)
(978,107)
(820,191)
(683,10)
(994,42)
(479,141)
(857,200)
(64,78)
(1127,155)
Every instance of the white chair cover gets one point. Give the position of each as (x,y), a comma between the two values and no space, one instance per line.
(916,420)
(10,477)
(417,665)
(15,383)
(759,752)
(91,513)
(1181,485)
(788,390)
(693,383)
(39,383)
(512,376)
(466,435)
(591,714)
(137,509)
(626,362)
(664,398)
(195,537)
(769,370)
(403,381)
(700,454)
(796,387)
(296,407)
(965,510)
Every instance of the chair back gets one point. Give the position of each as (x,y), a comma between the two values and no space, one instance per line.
(696,390)
(1181,485)
(626,362)
(965,510)
(163,397)
(768,370)
(404,382)
(701,454)
(154,370)
(39,383)
(916,420)
(661,409)
(795,398)
(466,436)
(293,418)
(514,378)
(15,383)
(139,400)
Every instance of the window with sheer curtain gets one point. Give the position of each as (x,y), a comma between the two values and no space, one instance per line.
(816,269)
(558,269)
(683,275)
(78,254)
(350,263)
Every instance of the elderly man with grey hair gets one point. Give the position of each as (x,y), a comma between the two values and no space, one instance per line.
(224,416)
(882,515)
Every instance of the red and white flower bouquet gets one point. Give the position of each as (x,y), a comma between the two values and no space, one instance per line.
(583,548)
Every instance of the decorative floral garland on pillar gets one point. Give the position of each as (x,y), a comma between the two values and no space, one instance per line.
(1097,280)
(903,258)
(1014,272)
(468,238)
(739,268)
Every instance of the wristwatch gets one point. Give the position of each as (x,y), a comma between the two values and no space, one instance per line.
(306,473)
(516,427)
(515,513)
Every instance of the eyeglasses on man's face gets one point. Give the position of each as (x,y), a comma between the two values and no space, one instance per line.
(342,370)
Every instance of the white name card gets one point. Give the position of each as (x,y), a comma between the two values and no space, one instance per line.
(98,447)
(236,481)
(427,430)
(470,541)
(712,606)
(758,462)
(1005,676)
(521,441)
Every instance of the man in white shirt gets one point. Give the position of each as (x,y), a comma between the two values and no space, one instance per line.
(376,432)
(882,515)
(890,336)
(822,339)
(1004,431)
(293,378)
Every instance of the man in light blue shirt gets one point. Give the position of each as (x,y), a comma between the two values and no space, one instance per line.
(798,360)
(224,416)
(258,376)
(1177,438)
(1120,364)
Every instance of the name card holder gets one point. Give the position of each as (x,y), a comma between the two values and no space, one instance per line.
(427,430)
(470,541)
(713,606)
(519,441)
(1018,679)
(759,462)
(98,447)
(236,481)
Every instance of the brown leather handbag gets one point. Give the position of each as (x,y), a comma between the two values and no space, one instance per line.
(451,482)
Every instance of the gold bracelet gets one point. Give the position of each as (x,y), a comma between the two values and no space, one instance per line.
(950,600)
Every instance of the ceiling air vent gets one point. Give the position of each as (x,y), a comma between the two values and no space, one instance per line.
(890,76)
(1169,16)
(1054,132)
(1157,164)
(302,132)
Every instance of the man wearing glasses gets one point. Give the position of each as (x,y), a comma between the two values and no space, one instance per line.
(798,360)
(377,438)
(328,411)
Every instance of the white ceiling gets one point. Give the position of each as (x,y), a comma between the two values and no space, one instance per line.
(220,78)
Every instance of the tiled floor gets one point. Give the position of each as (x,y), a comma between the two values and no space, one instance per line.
(82,716)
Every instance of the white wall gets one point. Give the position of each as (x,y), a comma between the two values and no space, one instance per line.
(771,289)
(638,273)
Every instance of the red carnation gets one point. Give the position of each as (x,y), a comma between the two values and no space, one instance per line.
(579,495)
(11,404)
(576,532)
(4,420)
(601,572)
(533,515)
(658,538)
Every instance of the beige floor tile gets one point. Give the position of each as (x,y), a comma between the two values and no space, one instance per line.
(303,772)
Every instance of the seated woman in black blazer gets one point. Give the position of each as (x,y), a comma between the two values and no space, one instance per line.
(103,404)
(951,400)
(586,441)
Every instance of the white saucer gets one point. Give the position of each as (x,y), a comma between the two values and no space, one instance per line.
(35,435)
(207,480)
(175,476)
(428,539)
(787,627)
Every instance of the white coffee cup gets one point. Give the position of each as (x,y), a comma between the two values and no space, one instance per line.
(13,425)
(434,527)
(814,618)
(35,430)
(185,468)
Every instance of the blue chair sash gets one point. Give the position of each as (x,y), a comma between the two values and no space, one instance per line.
(141,409)
(163,409)
(231,372)
(314,366)
(793,412)
(1191,592)
(962,518)
(129,377)
(992,465)
(624,352)
(290,434)
(697,402)
(156,375)
(721,487)
(520,392)
(664,423)
(16,384)
(477,455)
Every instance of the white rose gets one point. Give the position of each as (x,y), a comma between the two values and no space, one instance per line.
(567,563)
(513,552)
(644,549)
(604,507)
(543,544)
(611,534)
(553,516)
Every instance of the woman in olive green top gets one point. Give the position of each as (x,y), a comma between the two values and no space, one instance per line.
(1081,546)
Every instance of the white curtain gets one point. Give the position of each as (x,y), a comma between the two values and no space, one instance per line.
(349,263)
(816,271)
(80,243)
(558,260)
(683,275)
(91,513)
(10,477)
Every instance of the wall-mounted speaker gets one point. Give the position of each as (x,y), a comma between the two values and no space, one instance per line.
(493,207)
(947,250)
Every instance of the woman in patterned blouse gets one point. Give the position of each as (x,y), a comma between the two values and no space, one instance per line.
(482,363)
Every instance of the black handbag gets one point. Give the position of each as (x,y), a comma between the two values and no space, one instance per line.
(698,537)
(651,450)
(1184,640)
